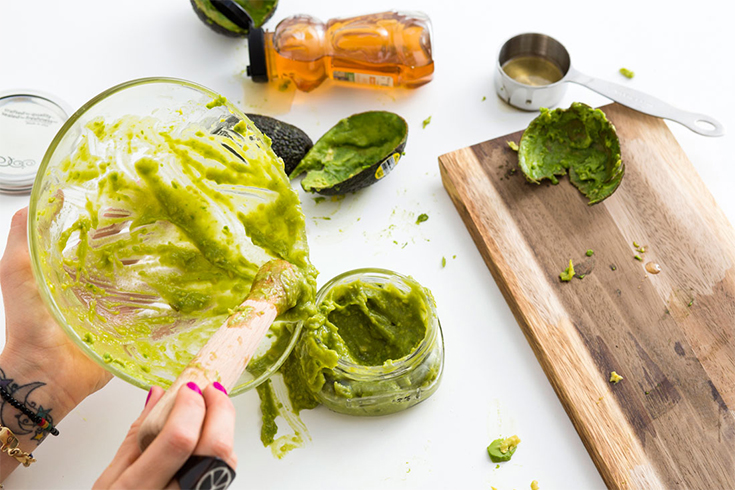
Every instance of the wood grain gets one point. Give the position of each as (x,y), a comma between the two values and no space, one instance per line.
(669,423)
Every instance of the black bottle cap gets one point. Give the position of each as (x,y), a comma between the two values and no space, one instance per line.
(234,12)
(257,70)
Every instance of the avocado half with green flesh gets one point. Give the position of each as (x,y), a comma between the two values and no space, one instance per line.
(260,11)
(580,140)
(357,152)
(287,141)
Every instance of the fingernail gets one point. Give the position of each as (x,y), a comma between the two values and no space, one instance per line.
(218,386)
(150,392)
(193,387)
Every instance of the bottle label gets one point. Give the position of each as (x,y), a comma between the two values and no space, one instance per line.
(387,165)
(363,78)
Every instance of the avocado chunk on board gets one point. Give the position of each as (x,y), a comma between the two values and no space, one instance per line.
(287,141)
(259,10)
(579,140)
(357,152)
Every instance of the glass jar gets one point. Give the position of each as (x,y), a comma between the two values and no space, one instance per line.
(397,384)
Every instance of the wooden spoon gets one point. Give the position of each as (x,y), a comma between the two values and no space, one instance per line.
(275,289)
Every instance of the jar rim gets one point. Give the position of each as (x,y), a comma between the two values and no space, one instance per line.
(393,367)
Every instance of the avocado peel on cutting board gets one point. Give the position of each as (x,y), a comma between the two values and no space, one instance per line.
(579,140)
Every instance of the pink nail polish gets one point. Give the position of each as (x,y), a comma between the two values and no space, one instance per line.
(218,386)
(193,386)
(150,392)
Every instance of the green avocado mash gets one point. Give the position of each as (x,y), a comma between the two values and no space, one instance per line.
(568,273)
(370,324)
(627,73)
(360,325)
(580,140)
(216,102)
(162,228)
(503,449)
(367,327)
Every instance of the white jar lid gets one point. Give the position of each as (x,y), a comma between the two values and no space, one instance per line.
(29,120)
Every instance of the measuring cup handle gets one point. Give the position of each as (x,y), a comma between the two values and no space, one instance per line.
(699,123)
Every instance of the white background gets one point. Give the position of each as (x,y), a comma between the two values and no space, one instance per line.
(492,384)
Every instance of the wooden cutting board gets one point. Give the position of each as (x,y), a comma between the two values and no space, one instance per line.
(670,422)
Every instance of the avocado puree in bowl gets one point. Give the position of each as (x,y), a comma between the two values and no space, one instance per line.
(153,210)
(579,140)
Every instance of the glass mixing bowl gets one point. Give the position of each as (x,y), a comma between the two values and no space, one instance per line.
(121,319)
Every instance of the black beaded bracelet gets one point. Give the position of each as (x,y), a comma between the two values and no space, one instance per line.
(35,418)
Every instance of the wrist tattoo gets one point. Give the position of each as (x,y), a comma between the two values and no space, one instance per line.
(16,420)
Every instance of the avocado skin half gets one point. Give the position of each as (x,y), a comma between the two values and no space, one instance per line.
(580,141)
(363,179)
(220,29)
(287,141)
(348,157)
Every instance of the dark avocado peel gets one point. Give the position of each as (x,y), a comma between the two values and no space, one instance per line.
(258,10)
(287,141)
(580,140)
(357,152)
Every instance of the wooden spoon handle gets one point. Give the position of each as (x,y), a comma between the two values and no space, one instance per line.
(222,359)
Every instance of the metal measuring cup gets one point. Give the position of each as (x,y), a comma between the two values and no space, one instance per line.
(531,98)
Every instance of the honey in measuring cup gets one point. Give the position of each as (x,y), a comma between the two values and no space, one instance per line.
(532,70)
(388,49)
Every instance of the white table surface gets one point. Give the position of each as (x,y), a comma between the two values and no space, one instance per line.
(492,384)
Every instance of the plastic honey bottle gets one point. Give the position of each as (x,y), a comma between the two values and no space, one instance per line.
(389,49)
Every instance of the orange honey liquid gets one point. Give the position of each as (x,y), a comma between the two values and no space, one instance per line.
(389,49)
